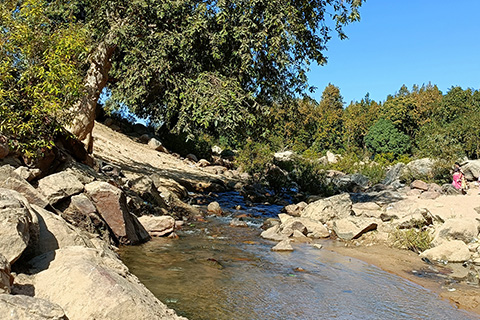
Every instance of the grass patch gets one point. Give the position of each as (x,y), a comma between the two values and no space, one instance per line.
(412,239)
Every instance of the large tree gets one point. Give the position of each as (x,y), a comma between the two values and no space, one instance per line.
(205,64)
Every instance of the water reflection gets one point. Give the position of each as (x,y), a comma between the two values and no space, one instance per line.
(220,272)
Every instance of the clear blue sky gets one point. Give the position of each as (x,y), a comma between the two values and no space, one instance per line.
(404,42)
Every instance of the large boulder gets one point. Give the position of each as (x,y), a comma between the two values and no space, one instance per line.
(352,228)
(465,229)
(16,224)
(471,169)
(294,210)
(332,208)
(55,233)
(82,213)
(169,188)
(158,226)
(111,204)
(309,227)
(420,167)
(393,174)
(6,278)
(9,179)
(20,307)
(59,185)
(451,251)
(94,284)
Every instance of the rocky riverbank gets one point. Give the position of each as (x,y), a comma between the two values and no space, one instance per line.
(62,220)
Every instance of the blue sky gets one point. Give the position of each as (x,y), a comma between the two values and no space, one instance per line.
(404,42)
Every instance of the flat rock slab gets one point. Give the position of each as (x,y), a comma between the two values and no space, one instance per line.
(20,307)
(59,185)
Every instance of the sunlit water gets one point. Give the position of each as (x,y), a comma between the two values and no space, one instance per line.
(214,271)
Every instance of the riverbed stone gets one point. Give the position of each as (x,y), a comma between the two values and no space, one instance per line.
(294,210)
(21,307)
(419,184)
(465,229)
(419,218)
(367,209)
(214,208)
(94,284)
(332,208)
(353,228)
(283,245)
(471,169)
(158,226)
(111,204)
(274,233)
(59,186)
(451,251)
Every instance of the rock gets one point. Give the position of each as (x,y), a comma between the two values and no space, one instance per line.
(332,158)
(419,184)
(429,195)
(471,169)
(283,246)
(433,187)
(270,222)
(420,167)
(367,209)
(294,209)
(420,218)
(448,189)
(214,207)
(310,228)
(158,226)
(20,307)
(94,284)
(28,173)
(16,223)
(4,149)
(6,278)
(55,233)
(273,233)
(146,189)
(336,207)
(353,228)
(236,222)
(9,179)
(156,145)
(284,156)
(463,229)
(451,251)
(59,185)
(191,157)
(169,187)
(112,206)
(82,172)
(393,174)
(144,138)
(82,213)
(216,150)
(202,163)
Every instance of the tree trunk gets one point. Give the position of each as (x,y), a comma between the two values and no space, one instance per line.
(95,81)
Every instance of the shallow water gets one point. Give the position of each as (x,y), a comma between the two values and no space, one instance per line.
(215,271)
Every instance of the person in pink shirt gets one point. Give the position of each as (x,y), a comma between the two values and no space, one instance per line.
(457,179)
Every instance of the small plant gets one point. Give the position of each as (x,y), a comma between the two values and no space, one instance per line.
(412,239)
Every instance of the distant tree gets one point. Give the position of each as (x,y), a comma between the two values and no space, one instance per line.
(383,137)
(358,117)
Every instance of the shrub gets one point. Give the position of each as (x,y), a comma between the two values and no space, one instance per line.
(383,137)
(412,239)
(255,158)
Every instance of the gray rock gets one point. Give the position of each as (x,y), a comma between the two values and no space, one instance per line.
(336,207)
(28,173)
(471,169)
(236,222)
(191,157)
(94,284)
(111,204)
(451,251)
(214,207)
(20,307)
(418,219)
(393,174)
(273,233)
(420,167)
(147,190)
(59,186)
(353,228)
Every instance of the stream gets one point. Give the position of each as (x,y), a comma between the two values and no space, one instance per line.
(215,271)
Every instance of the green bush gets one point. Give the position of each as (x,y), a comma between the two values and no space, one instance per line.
(383,137)
(412,239)
(311,177)
(255,158)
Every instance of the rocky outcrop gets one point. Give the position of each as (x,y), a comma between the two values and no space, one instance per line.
(336,207)
(471,169)
(94,284)
(20,307)
(59,185)
(16,224)
(465,230)
(111,204)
